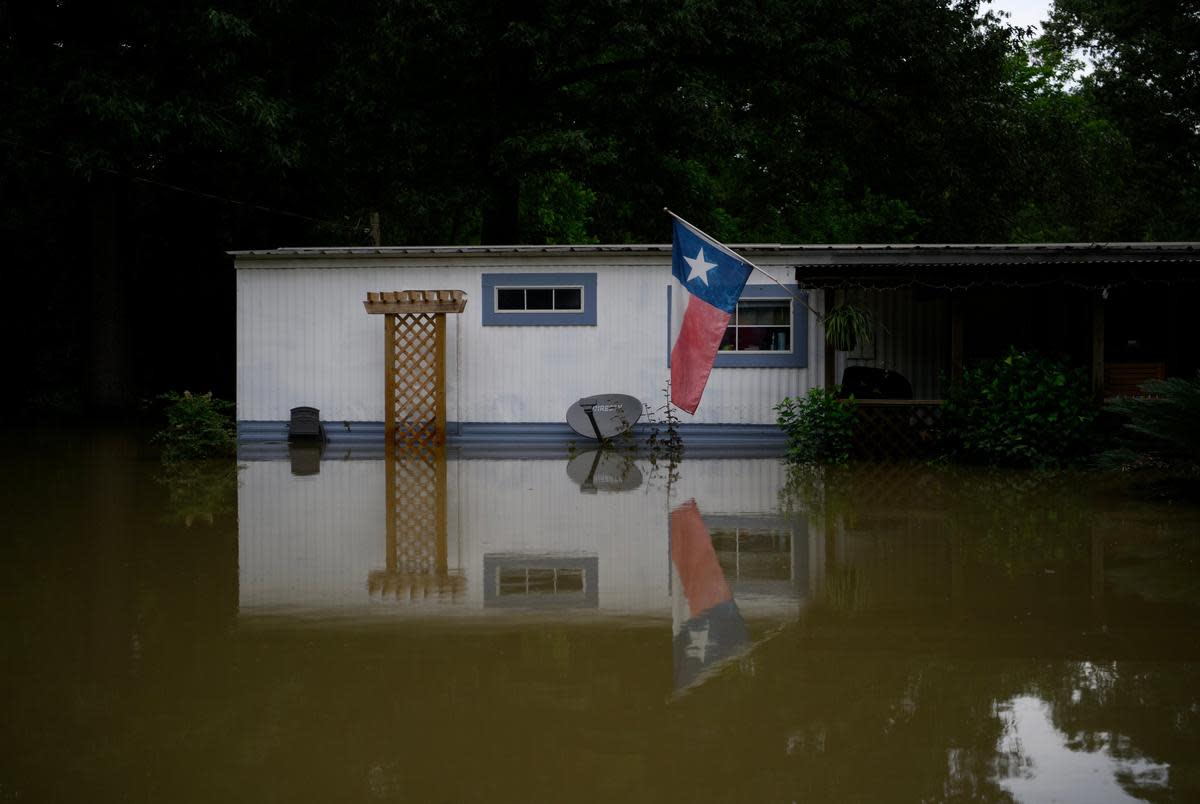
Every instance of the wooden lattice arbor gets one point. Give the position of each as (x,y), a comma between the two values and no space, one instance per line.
(415,361)
(415,424)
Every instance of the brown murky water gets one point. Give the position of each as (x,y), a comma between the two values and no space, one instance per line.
(588,630)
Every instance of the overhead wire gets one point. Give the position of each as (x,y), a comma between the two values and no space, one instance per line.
(191,190)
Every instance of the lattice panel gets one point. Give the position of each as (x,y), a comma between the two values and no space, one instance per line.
(896,430)
(416,496)
(416,378)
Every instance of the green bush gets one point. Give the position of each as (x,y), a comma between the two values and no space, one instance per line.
(198,426)
(1164,427)
(1022,409)
(819,427)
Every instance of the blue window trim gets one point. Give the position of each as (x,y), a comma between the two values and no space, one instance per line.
(797,358)
(558,318)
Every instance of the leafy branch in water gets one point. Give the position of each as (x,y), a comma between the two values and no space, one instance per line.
(664,437)
(198,441)
(664,440)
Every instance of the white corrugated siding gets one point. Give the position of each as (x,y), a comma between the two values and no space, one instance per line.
(305,339)
(912,337)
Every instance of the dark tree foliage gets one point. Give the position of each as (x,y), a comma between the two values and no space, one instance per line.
(1163,427)
(1144,88)
(140,140)
(463,120)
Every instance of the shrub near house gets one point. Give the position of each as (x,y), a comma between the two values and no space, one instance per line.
(1022,409)
(198,426)
(1162,428)
(819,427)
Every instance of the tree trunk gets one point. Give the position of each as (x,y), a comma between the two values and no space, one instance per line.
(108,386)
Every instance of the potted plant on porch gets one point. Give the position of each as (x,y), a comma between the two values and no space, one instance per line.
(846,326)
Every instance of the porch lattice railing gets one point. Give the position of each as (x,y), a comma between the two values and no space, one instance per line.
(896,428)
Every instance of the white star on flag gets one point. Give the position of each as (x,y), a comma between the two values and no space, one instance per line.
(698,643)
(700,267)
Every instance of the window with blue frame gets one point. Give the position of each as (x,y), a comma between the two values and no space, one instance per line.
(769,329)
(532,300)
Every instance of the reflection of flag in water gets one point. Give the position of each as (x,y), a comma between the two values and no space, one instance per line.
(714,277)
(708,626)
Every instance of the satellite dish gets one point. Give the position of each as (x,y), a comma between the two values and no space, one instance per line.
(604,470)
(604,416)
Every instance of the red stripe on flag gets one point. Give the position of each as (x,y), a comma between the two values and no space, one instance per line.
(695,350)
(695,560)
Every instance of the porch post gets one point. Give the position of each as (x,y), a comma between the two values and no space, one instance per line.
(956,338)
(1098,347)
(830,352)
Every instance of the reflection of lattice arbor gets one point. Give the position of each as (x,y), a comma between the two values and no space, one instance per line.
(415,361)
(415,404)
(416,526)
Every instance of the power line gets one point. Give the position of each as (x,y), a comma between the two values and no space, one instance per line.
(189,190)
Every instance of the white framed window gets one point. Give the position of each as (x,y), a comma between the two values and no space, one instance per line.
(567,298)
(539,300)
(760,325)
(769,329)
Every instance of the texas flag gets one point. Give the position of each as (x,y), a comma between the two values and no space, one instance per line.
(714,277)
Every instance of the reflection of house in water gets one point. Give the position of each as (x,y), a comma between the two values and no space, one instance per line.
(518,534)
(906,537)
(521,535)
(762,556)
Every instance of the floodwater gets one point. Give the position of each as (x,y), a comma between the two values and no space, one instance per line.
(582,628)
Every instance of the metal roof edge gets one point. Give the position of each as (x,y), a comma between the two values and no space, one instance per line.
(451,251)
(853,253)
(370,251)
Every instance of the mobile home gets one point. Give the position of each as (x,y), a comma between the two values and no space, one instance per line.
(544,326)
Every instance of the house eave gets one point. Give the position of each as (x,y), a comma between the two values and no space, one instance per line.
(939,265)
(861,253)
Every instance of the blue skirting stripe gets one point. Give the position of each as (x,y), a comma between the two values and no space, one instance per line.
(268,439)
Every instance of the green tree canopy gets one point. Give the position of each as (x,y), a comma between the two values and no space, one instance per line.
(1144,90)
(138,140)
